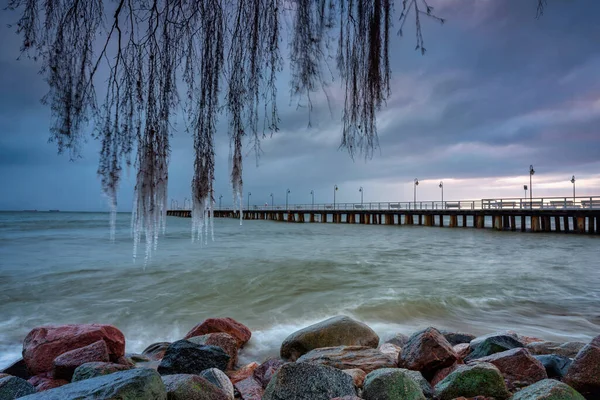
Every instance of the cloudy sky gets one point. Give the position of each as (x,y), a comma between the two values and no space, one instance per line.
(496,91)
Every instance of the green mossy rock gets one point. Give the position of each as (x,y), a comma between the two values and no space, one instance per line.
(548,389)
(12,387)
(392,384)
(481,379)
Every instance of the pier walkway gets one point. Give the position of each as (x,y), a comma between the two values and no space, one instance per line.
(578,215)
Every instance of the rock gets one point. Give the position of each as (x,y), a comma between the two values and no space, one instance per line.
(391,350)
(518,367)
(42,345)
(481,379)
(95,369)
(249,389)
(455,338)
(2,375)
(425,386)
(335,331)
(427,351)
(462,350)
(568,349)
(12,387)
(548,389)
(138,383)
(156,351)
(487,345)
(65,364)
(308,381)
(134,358)
(191,387)
(399,340)
(266,370)
(444,372)
(18,369)
(227,325)
(358,376)
(223,340)
(347,398)
(242,373)
(556,366)
(349,357)
(185,357)
(220,380)
(391,384)
(46,382)
(584,373)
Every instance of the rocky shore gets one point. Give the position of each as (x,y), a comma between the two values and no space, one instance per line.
(338,358)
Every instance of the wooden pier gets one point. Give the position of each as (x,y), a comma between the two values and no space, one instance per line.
(523,220)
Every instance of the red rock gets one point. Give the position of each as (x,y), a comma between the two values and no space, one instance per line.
(427,351)
(462,350)
(45,382)
(584,374)
(223,340)
(266,370)
(65,364)
(242,373)
(358,376)
(518,367)
(595,341)
(156,351)
(249,389)
(444,372)
(349,357)
(228,325)
(43,344)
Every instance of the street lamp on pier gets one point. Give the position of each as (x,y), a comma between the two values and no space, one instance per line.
(441,185)
(415,191)
(531,172)
(312,194)
(220,197)
(249,194)
(361,195)
(286,198)
(272,205)
(573,182)
(335,188)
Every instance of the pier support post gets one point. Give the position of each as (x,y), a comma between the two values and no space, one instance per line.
(557,223)
(581,224)
(591,228)
(535,224)
(498,222)
(464,221)
(453,220)
(420,219)
(513,223)
(566,227)
(312,217)
(428,220)
(480,221)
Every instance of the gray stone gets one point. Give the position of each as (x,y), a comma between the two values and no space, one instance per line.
(481,379)
(304,381)
(185,357)
(95,369)
(556,366)
(392,384)
(349,357)
(399,340)
(134,384)
(568,349)
(12,387)
(336,331)
(422,382)
(548,389)
(191,387)
(455,338)
(156,351)
(220,380)
(487,345)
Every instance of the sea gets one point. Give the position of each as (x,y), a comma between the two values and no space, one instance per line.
(277,277)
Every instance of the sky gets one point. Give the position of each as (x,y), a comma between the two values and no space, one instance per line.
(497,91)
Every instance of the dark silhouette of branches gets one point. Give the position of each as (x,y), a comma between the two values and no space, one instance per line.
(152,57)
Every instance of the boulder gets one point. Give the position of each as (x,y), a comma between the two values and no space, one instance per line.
(427,351)
(584,374)
(12,387)
(568,349)
(191,387)
(391,384)
(18,369)
(220,380)
(358,376)
(399,340)
(138,383)
(455,338)
(132,359)
(309,381)
(556,366)
(335,331)
(249,389)
(391,350)
(347,398)
(95,369)
(156,351)
(548,389)
(518,367)
(65,364)
(422,382)
(223,340)
(43,344)
(462,350)
(185,357)
(440,374)
(242,373)
(227,325)
(266,370)
(487,345)
(349,357)
(46,382)
(481,379)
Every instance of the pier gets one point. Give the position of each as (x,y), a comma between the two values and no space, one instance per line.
(576,215)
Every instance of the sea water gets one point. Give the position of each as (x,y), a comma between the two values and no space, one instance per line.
(276,277)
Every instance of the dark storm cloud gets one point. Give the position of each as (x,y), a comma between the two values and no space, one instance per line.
(496,91)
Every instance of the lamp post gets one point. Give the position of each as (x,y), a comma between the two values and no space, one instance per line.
(441,185)
(573,182)
(415,191)
(272,205)
(220,197)
(335,188)
(531,172)
(286,198)
(249,194)
(312,194)
(184,203)
(361,195)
